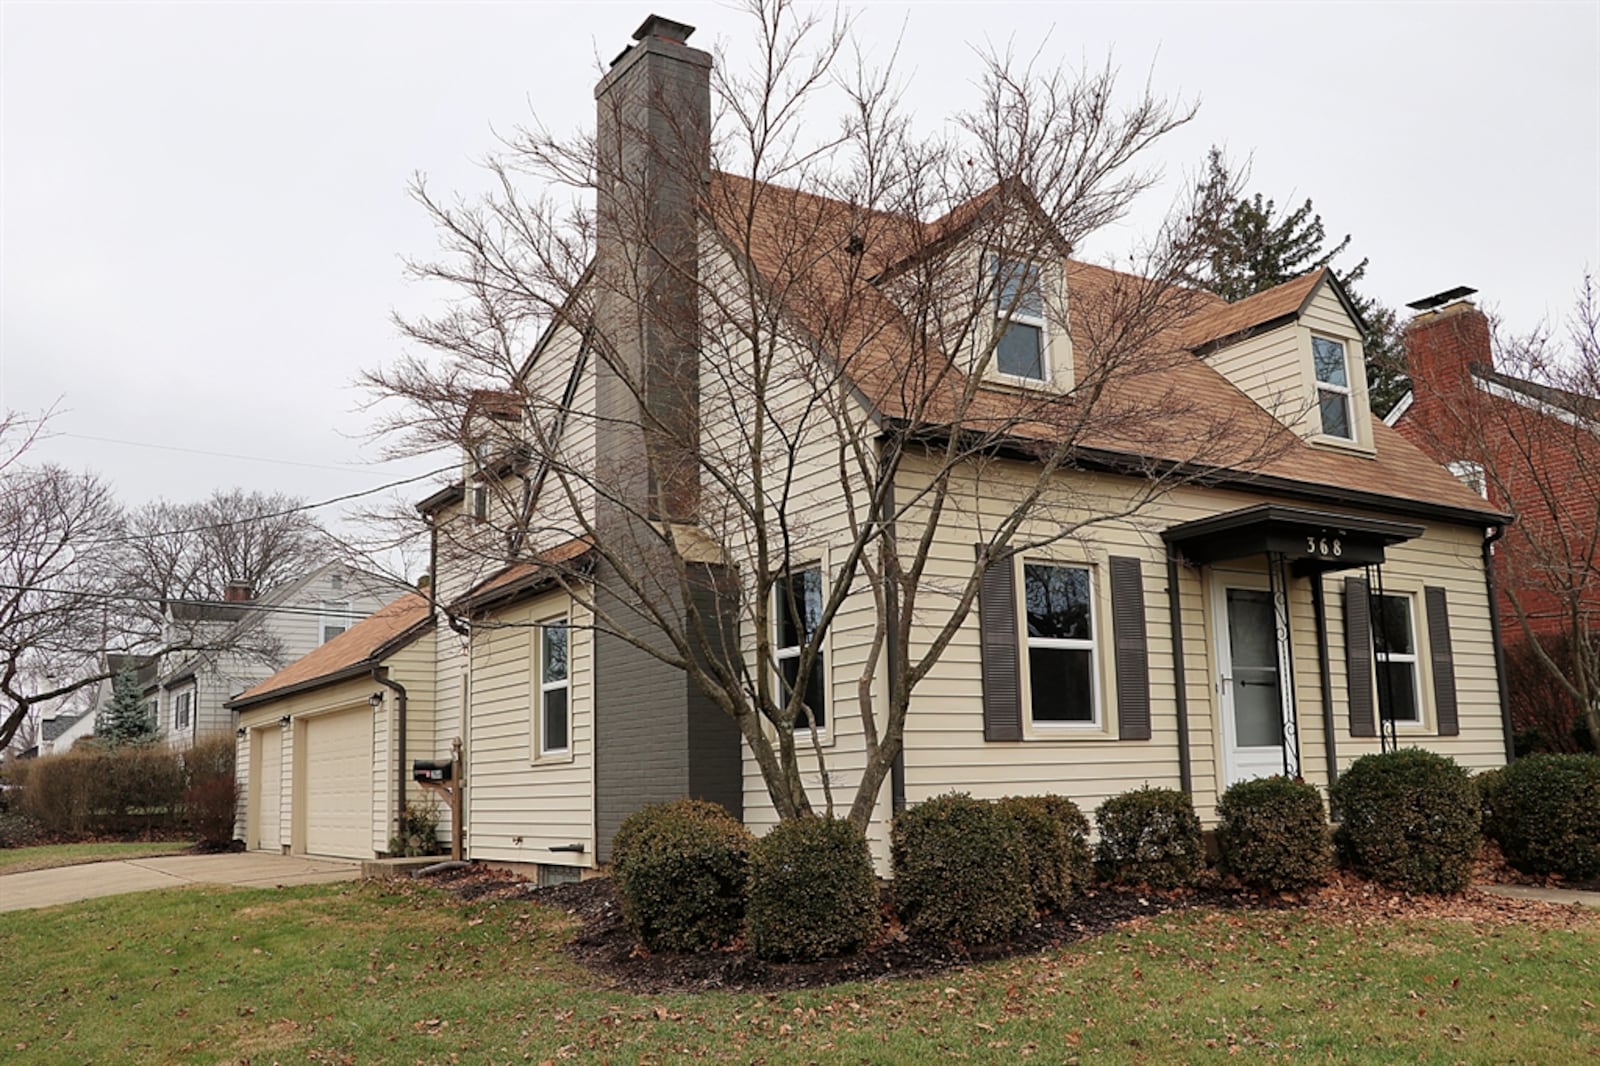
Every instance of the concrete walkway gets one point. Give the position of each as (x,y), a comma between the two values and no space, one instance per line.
(1545,895)
(67,884)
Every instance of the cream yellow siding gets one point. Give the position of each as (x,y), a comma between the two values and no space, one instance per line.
(411,666)
(522,804)
(945,748)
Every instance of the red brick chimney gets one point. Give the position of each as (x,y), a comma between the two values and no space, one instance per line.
(1443,345)
(238,592)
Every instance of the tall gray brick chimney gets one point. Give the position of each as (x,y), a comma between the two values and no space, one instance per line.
(654,135)
(657,735)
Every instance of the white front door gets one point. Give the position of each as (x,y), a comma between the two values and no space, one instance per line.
(1250,680)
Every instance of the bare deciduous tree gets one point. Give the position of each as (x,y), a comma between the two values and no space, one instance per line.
(828,317)
(194,550)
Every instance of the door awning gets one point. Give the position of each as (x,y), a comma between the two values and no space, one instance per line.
(1310,541)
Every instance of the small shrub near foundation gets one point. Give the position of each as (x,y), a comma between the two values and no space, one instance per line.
(960,871)
(1409,820)
(1273,834)
(1545,814)
(812,891)
(1055,842)
(1149,836)
(682,872)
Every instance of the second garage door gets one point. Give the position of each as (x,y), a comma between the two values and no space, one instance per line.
(337,790)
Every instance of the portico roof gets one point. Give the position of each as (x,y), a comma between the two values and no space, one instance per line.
(1311,540)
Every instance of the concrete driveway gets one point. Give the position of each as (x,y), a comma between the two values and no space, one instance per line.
(66,884)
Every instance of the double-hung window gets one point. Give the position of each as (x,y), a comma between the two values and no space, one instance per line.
(182,711)
(1394,645)
(1061,653)
(1019,318)
(798,613)
(335,620)
(555,720)
(1333,388)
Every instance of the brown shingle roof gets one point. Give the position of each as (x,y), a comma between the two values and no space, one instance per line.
(388,629)
(519,578)
(820,258)
(1272,304)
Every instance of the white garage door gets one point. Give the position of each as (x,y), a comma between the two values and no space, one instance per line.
(337,790)
(266,787)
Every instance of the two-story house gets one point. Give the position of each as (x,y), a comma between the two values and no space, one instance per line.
(1182,555)
(244,638)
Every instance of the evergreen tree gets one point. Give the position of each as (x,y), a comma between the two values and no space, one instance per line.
(124,720)
(1254,246)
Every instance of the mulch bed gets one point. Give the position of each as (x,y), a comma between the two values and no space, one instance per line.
(603,943)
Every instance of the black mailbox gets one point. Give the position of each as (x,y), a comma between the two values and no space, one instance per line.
(431,771)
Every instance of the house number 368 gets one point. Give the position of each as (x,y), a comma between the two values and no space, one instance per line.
(1324,547)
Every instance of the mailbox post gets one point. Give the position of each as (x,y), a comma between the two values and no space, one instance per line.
(444,777)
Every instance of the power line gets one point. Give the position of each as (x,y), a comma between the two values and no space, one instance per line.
(145,598)
(129,538)
(345,467)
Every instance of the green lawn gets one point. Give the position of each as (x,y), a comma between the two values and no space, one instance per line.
(21,860)
(372,972)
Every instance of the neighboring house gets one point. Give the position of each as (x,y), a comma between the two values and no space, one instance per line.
(325,743)
(248,638)
(1527,448)
(1223,632)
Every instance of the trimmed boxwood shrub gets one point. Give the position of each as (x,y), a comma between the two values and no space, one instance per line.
(1273,834)
(1409,820)
(1546,814)
(960,872)
(812,891)
(1055,844)
(682,871)
(1149,836)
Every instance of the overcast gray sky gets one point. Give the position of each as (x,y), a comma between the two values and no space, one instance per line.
(204,205)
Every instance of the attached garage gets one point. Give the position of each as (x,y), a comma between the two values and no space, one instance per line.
(265,801)
(320,761)
(335,797)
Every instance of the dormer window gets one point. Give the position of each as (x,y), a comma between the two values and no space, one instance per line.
(1019,319)
(1333,388)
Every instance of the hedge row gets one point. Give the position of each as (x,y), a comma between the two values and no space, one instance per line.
(145,788)
(971,871)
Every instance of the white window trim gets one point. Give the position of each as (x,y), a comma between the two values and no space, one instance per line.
(1414,657)
(992,263)
(183,703)
(780,655)
(1346,390)
(542,753)
(1096,724)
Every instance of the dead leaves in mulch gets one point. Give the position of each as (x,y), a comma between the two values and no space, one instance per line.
(603,943)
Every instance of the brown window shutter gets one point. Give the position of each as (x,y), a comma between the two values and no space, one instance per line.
(1443,659)
(1002,672)
(1132,650)
(1358,657)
